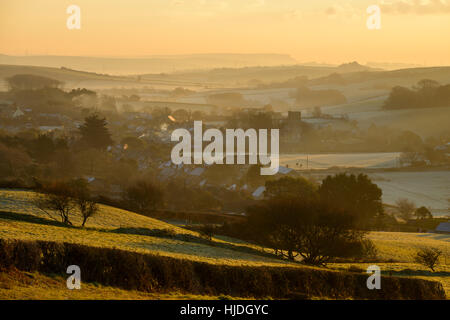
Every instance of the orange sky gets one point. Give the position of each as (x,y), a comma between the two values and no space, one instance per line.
(413,31)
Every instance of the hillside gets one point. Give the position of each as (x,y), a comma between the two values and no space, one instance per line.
(116,233)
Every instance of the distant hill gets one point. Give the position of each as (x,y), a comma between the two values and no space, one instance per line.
(353,67)
(151,64)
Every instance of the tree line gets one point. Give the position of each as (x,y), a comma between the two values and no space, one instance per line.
(426,94)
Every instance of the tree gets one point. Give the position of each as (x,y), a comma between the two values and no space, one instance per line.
(423,213)
(356,195)
(56,197)
(31,82)
(13,161)
(286,187)
(143,196)
(83,200)
(94,132)
(63,197)
(405,208)
(312,230)
(429,257)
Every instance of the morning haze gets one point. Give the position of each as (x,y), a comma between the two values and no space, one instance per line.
(225,149)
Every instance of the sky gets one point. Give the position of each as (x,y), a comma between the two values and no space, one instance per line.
(412,31)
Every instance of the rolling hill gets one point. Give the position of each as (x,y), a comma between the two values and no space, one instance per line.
(115,236)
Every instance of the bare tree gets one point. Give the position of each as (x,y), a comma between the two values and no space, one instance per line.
(429,257)
(87,208)
(56,198)
(83,200)
(63,198)
(405,208)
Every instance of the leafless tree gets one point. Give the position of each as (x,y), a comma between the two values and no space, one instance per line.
(428,257)
(405,208)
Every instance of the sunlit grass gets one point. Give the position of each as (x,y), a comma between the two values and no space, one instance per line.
(98,234)
(16,285)
(395,249)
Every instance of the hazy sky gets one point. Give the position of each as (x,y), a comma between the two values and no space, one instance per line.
(412,31)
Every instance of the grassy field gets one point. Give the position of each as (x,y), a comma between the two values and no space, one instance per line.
(116,228)
(16,222)
(18,285)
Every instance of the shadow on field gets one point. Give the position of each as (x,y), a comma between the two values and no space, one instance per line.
(425,273)
(168,234)
(158,233)
(30,218)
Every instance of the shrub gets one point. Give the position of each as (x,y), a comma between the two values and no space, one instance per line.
(155,273)
(429,257)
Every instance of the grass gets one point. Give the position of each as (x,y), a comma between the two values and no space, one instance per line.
(121,229)
(396,252)
(402,246)
(24,222)
(404,269)
(19,285)
(154,273)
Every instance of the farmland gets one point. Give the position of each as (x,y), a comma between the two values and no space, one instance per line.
(116,229)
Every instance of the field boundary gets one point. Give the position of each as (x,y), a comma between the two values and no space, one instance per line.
(154,273)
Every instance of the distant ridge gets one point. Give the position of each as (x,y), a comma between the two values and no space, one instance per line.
(152,64)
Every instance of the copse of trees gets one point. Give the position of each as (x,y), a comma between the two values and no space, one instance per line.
(60,200)
(316,232)
(31,82)
(46,99)
(317,223)
(427,94)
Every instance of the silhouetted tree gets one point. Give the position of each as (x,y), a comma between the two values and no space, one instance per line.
(83,200)
(354,194)
(312,230)
(94,132)
(56,198)
(429,257)
(423,213)
(31,82)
